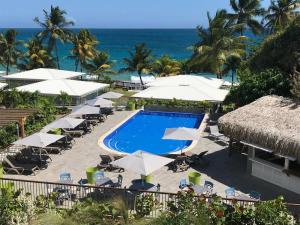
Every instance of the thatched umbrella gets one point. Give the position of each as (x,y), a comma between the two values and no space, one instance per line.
(272,122)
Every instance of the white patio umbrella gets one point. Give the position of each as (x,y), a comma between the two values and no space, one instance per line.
(103,103)
(111,95)
(181,133)
(39,140)
(141,162)
(85,110)
(65,123)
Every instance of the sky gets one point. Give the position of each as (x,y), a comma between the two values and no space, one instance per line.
(115,13)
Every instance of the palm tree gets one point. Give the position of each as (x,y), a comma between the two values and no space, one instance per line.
(280,14)
(244,15)
(232,62)
(36,56)
(9,52)
(54,28)
(165,66)
(100,65)
(139,61)
(83,48)
(216,43)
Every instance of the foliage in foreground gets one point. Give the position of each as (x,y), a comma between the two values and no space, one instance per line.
(184,209)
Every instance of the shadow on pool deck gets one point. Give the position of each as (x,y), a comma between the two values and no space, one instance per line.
(231,171)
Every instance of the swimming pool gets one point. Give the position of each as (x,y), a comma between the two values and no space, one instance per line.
(144,131)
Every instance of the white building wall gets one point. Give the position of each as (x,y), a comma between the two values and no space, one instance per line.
(273,173)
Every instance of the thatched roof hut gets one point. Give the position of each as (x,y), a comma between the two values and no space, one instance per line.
(272,122)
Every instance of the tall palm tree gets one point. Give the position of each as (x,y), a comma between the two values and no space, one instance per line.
(9,52)
(232,62)
(165,66)
(84,44)
(139,61)
(54,28)
(280,14)
(36,56)
(100,65)
(244,15)
(216,43)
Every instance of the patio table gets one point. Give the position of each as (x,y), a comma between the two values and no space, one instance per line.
(103,181)
(143,186)
(199,189)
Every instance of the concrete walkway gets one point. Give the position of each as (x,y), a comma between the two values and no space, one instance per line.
(223,171)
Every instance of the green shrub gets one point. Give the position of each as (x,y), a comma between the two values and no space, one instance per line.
(255,85)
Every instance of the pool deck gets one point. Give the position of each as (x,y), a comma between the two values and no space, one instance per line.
(223,171)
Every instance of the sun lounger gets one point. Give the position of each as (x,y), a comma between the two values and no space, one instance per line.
(73,133)
(19,168)
(198,159)
(215,133)
(106,164)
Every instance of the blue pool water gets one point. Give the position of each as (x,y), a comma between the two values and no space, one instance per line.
(144,131)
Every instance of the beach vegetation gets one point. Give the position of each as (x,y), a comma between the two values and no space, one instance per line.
(217,42)
(83,49)
(101,66)
(9,52)
(244,15)
(280,14)
(54,28)
(254,85)
(166,66)
(139,61)
(35,56)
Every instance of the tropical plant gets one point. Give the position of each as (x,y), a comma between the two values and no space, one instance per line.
(83,48)
(232,62)
(139,61)
(217,43)
(9,52)
(280,13)
(255,85)
(36,56)
(54,28)
(100,65)
(165,66)
(245,12)
(280,50)
(64,99)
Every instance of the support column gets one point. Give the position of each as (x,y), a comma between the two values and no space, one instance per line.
(22,127)
(251,155)
(286,164)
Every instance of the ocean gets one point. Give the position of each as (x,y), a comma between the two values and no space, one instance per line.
(117,43)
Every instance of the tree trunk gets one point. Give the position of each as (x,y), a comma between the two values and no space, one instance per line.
(57,58)
(76,65)
(140,75)
(232,75)
(7,67)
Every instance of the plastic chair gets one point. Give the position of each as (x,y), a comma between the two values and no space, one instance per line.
(158,187)
(230,192)
(255,195)
(182,184)
(209,186)
(64,176)
(99,175)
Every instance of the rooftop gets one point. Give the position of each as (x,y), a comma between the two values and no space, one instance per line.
(43,74)
(2,85)
(71,87)
(272,122)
